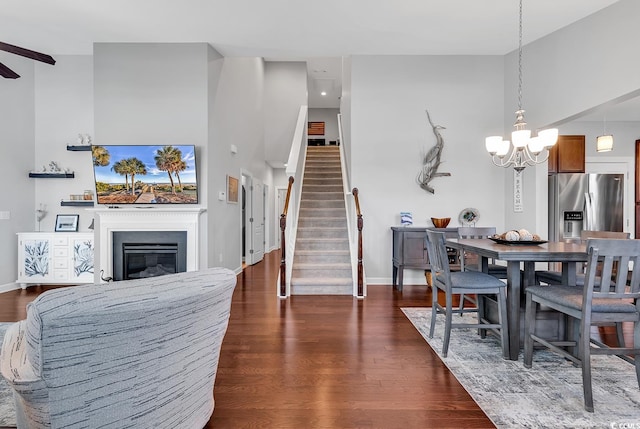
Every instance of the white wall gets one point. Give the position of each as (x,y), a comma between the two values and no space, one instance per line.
(285,90)
(390,133)
(17,136)
(154,93)
(64,109)
(237,119)
(345,114)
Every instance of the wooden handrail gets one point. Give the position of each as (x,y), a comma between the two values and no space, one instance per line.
(360,225)
(283,244)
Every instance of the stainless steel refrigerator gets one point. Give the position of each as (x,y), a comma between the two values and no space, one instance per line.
(591,202)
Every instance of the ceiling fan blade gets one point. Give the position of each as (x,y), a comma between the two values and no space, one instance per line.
(7,73)
(27,53)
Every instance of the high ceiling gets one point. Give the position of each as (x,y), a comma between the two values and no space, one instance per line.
(290,29)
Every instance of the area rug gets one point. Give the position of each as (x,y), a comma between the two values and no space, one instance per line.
(7,407)
(547,395)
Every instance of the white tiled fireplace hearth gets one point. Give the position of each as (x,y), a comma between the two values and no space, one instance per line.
(110,220)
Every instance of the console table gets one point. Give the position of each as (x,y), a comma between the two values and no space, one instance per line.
(55,258)
(410,250)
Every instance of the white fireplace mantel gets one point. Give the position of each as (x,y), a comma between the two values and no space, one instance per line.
(108,220)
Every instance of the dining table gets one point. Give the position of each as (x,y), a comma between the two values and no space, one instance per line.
(523,256)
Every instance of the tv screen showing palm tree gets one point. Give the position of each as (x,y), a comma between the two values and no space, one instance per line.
(145,174)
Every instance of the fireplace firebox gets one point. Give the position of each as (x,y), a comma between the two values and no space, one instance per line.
(140,254)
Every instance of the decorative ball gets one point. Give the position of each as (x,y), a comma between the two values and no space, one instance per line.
(536,237)
(512,236)
(525,235)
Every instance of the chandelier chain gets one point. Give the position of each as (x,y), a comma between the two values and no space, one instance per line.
(520,60)
(523,149)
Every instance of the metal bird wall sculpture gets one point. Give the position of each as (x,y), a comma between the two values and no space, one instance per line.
(431,161)
(7,73)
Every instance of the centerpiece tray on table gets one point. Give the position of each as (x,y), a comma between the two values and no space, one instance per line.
(519,242)
(520,237)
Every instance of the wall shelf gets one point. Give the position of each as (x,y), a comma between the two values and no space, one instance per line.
(53,175)
(78,148)
(86,203)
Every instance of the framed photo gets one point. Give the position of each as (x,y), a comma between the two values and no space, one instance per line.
(232,189)
(67,222)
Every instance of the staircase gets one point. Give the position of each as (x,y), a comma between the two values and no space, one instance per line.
(322,263)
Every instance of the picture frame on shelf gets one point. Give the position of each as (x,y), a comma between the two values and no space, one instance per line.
(67,223)
(232,189)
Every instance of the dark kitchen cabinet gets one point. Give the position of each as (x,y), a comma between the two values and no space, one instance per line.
(567,155)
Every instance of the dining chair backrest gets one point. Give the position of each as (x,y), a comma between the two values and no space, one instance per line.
(437,250)
(585,235)
(476,231)
(604,256)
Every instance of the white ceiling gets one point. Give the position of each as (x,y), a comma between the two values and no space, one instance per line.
(319,32)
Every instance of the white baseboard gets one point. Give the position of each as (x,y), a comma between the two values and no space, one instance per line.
(9,286)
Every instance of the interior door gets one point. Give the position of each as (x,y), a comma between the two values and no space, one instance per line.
(256,254)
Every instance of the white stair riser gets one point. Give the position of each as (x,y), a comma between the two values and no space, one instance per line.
(322,232)
(321,212)
(322,245)
(321,257)
(320,273)
(321,223)
(327,204)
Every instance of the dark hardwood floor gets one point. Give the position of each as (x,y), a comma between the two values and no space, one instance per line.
(323,361)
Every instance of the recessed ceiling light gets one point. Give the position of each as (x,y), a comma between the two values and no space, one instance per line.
(323,93)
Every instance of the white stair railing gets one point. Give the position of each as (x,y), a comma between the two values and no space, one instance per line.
(295,169)
(359,283)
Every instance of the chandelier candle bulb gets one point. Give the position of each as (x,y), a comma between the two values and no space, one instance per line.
(536,145)
(549,137)
(520,138)
(492,144)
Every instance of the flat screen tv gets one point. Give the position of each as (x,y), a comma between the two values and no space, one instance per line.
(145,174)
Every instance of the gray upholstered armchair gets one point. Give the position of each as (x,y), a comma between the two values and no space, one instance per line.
(139,353)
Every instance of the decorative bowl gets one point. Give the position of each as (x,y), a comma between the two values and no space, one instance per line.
(440,222)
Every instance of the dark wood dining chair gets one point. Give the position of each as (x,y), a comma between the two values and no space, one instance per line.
(592,305)
(463,282)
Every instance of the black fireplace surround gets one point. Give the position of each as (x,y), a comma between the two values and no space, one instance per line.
(140,254)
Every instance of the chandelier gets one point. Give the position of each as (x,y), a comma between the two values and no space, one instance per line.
(523,149)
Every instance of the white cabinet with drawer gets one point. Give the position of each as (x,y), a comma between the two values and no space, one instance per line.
(55,258)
